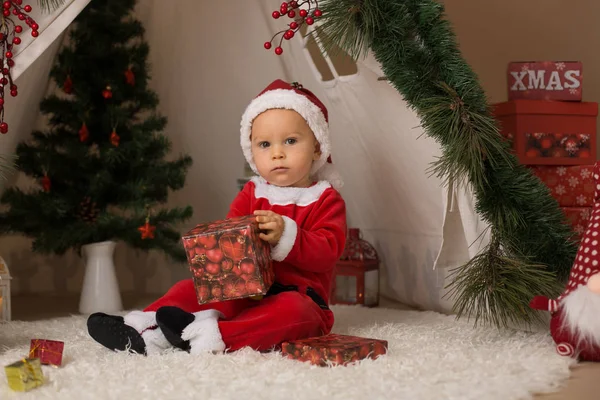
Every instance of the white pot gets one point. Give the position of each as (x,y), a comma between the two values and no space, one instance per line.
(100,292)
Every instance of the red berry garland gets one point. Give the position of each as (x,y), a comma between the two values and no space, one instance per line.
(304,16)
(8,38)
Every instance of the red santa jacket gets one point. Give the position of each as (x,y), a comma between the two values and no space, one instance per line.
(314,234)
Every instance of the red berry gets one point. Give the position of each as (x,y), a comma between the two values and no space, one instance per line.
(18,2)
(278,50)
(6,4)
(291,13)
(17,40)
(4,81)
(276,14)
(18,29)
(310,20)
(13,87)
(1,101)
(5,71)
(303,13)
(4,127)
(35,26)
(27,8)
(35,33)
(290,34)
(267,45)
(9,54)
(294,25)
(11,63)
(21,16)
(15,11)
(6,13)
(14,93)
(293,4)
(318,13)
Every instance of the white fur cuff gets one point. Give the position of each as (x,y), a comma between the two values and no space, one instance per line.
(204,334)
(156,342)
(140,320)
(287,240)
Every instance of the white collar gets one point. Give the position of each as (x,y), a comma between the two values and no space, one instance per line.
(282,196)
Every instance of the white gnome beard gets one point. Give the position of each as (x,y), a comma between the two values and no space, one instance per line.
(582,315)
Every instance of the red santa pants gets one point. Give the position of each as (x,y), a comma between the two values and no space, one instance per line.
(259,324)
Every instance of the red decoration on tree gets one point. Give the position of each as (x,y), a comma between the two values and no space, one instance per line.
(46,183)
(130,77)
(8,39)
(147,230)
(114,138)
(305,16)
(107,93)
(68,85)
(84,134)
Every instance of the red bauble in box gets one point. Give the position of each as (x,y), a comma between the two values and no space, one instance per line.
(570,185)
(334,349)
(50,352)
(549,132)
(229,260)
(578,217)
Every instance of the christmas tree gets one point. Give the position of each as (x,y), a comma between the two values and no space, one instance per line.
(531,248)
(100,165)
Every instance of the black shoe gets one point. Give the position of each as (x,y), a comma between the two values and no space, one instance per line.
(112,332)
(172,321)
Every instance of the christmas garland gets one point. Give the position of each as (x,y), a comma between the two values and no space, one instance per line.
(530,250)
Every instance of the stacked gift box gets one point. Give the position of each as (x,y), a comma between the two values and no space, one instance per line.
(553,131)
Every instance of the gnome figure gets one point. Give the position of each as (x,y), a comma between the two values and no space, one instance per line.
(575,323)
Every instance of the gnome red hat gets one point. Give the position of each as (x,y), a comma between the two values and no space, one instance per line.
(280,94)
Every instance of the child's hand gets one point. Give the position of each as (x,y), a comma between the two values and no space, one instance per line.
(272,223)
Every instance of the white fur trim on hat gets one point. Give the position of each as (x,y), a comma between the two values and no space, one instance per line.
(290,100)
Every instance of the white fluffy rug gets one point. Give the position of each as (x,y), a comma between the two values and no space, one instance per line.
(431,356)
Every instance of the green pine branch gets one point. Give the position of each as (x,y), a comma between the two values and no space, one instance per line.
(531,248)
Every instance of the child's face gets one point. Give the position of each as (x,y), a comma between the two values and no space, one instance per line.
(283,148)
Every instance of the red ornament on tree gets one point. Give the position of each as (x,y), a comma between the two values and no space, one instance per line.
(114,138)
(147,230)
(306,16)
(130,77)
(84,134)
(107,93)
(46,183)
(68,85)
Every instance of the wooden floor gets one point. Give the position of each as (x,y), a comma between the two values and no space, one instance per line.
(584,383)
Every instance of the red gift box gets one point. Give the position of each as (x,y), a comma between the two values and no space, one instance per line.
(549,132)
(545,80)
(578,217)
(229,260)
(334,349)
(50,352)
(571,186)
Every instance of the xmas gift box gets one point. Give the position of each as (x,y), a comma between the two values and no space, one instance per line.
(578,217)
(50,352)
(334,349)
(25,374)
(549,132)
(545,80)
(571,186)
(229,260)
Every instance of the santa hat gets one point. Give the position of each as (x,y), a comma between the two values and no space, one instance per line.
(280,94)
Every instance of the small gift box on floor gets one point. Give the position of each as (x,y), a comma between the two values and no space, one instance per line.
(334,349)
(50,352)
(229,260)
(24,375)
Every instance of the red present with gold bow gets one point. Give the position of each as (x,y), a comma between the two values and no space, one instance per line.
(229,260)
(50,352)
(334,349)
